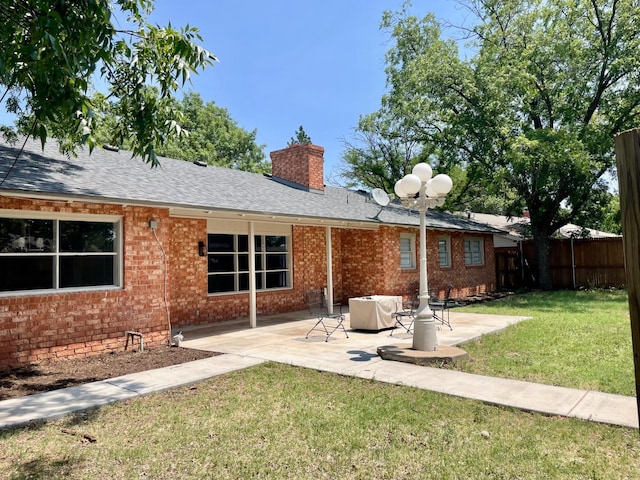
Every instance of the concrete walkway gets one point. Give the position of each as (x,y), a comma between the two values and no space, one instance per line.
(282,339)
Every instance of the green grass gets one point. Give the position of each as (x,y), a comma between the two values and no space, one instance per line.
(574,339)
(282,422)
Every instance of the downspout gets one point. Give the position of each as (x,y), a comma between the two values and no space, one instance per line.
(252,276)
(329,271)
(573,264)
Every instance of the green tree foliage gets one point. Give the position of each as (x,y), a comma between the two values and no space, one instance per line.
(51,50)
(301,138)
(209,135)
(533,112)
(601,213)
(611,221)
(378,155)
(215,138)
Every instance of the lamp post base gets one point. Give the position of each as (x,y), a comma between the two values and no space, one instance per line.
(424,334)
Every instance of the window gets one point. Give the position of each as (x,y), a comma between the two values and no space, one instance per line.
(407,251)
(444,252)
(52,254)
(473,251)
(228,262)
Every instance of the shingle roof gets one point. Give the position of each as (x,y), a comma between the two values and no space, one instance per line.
(519,227)
(117,178)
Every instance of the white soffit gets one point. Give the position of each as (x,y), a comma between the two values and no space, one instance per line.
(227,217)
(242,227)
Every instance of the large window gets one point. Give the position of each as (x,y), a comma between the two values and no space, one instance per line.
(228,260)
(444,252)
(52,254)
(473,251)
(407,251)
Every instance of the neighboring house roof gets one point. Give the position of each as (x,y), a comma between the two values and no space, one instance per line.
(518,227)
(115,177)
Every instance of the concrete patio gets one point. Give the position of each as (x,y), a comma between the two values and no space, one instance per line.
(281,338)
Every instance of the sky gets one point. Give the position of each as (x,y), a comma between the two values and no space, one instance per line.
(289,63)
(283,64)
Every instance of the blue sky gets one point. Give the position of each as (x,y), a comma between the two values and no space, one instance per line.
(286,63)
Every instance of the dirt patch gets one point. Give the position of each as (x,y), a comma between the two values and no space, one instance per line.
(31,379)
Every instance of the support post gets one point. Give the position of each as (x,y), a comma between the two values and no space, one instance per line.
(627,146)
(253,300)
(329,270)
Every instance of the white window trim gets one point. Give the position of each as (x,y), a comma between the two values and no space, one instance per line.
(412,244)
(264,232)
(480,240)
(447,240)
(118,274)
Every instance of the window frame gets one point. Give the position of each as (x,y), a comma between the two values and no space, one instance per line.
(447,253)
(411,237)
(469,260)
(58,255)
(263,259)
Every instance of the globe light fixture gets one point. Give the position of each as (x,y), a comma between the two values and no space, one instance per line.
(423,170)
(411,184)
(419,191)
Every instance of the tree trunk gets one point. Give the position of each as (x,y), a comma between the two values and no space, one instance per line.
(541,242)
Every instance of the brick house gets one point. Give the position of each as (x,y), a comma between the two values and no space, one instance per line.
(93,246)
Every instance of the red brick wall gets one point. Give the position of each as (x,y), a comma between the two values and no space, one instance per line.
(58,325)
(191,304)
(372,265)
(301,164)
(188,272)
(363,264)
(464,280)
(34,328)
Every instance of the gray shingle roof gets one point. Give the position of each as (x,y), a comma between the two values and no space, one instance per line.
(116,177)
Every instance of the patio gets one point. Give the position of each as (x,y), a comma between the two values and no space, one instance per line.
(281,338)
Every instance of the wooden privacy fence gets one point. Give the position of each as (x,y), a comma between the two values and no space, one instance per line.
(582,262)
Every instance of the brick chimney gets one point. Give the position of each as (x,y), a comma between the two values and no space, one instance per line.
(299,165)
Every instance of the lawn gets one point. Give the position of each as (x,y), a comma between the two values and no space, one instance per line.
(578,339)
(283,422)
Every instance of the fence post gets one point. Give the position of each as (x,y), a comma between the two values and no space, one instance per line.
(627,146)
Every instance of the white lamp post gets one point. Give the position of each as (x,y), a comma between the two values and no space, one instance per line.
(418,190)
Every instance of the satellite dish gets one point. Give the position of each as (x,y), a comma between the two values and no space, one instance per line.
(380,197)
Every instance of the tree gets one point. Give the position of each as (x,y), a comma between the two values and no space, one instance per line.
(210,135)
(602,213)
(51,50)
(533,111)
(214,138)
(377,156)
(301,138)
